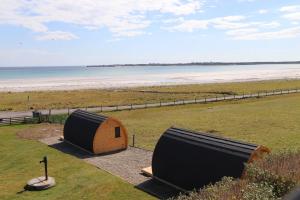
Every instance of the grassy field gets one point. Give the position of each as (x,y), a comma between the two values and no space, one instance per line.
(18,101)
(272,121)
(19,162)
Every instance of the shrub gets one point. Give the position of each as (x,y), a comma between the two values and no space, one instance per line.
(229,189)
(280,171)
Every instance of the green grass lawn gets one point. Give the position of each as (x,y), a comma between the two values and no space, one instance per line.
(84,98)
(19,162)
(272,121)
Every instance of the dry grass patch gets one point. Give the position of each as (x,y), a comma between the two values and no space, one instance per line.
(41,131)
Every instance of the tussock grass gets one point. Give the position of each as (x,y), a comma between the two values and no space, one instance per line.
(18,101)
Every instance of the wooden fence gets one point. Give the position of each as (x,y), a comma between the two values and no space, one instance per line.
(52,115)
(18,120)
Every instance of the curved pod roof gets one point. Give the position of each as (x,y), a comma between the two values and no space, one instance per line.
(188,160)
(94,133)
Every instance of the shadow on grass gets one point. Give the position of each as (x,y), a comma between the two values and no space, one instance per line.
(71,150)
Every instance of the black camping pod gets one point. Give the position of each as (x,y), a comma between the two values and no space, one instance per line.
(190,160)
(95,133)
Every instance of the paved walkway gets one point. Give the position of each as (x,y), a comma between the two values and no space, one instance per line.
(124,164)
(6,114)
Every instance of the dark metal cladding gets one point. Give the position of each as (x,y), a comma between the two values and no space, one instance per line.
(191,160)
(80,128)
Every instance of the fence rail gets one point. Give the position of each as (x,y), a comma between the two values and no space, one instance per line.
(50,112)
(18,120)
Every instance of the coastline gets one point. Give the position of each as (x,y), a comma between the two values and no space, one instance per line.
(129,81)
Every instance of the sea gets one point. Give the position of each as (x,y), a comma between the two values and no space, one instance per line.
(82,77)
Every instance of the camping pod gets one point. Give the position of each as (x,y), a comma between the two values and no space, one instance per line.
(95,133)
(190,160)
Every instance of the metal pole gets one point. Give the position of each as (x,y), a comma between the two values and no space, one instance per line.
(133,140)
(46,166)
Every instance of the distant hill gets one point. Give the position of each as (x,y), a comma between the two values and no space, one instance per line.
(198,63)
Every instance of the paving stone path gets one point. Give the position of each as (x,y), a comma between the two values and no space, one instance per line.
(124,164)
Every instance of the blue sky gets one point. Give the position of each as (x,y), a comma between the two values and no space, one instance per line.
(85,32)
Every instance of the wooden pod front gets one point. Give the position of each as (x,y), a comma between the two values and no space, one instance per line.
(95,133)
(190,160)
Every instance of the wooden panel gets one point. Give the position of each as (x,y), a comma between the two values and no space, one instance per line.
(147,171)
(105,140)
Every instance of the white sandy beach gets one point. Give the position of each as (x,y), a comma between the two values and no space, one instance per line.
(74,83)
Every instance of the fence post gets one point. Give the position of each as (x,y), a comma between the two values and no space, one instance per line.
(117,108)
(195,100)
(159,103)
(224,97)
(10,121)
(216,98)
(145,105)
(133,140)
(243,95)
(101,108)
(281,91)
(204,99)
(233,96)
(258,94)
(131,106)
(174,102)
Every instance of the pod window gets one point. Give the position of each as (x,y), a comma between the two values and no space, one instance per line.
(117,132)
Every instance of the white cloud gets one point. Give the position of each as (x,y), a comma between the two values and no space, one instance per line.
(256,35)
(122,18)
(292,13)
(189,26)
(293,8)
(293,16)
(263,11)
(57,35)
(223,23)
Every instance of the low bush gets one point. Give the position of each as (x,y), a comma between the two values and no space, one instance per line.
(230,189)
(280,171)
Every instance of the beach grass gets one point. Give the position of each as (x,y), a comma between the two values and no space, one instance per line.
(19,162)
(271,121)
(20,101)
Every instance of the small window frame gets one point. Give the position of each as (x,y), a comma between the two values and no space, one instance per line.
(117,132)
